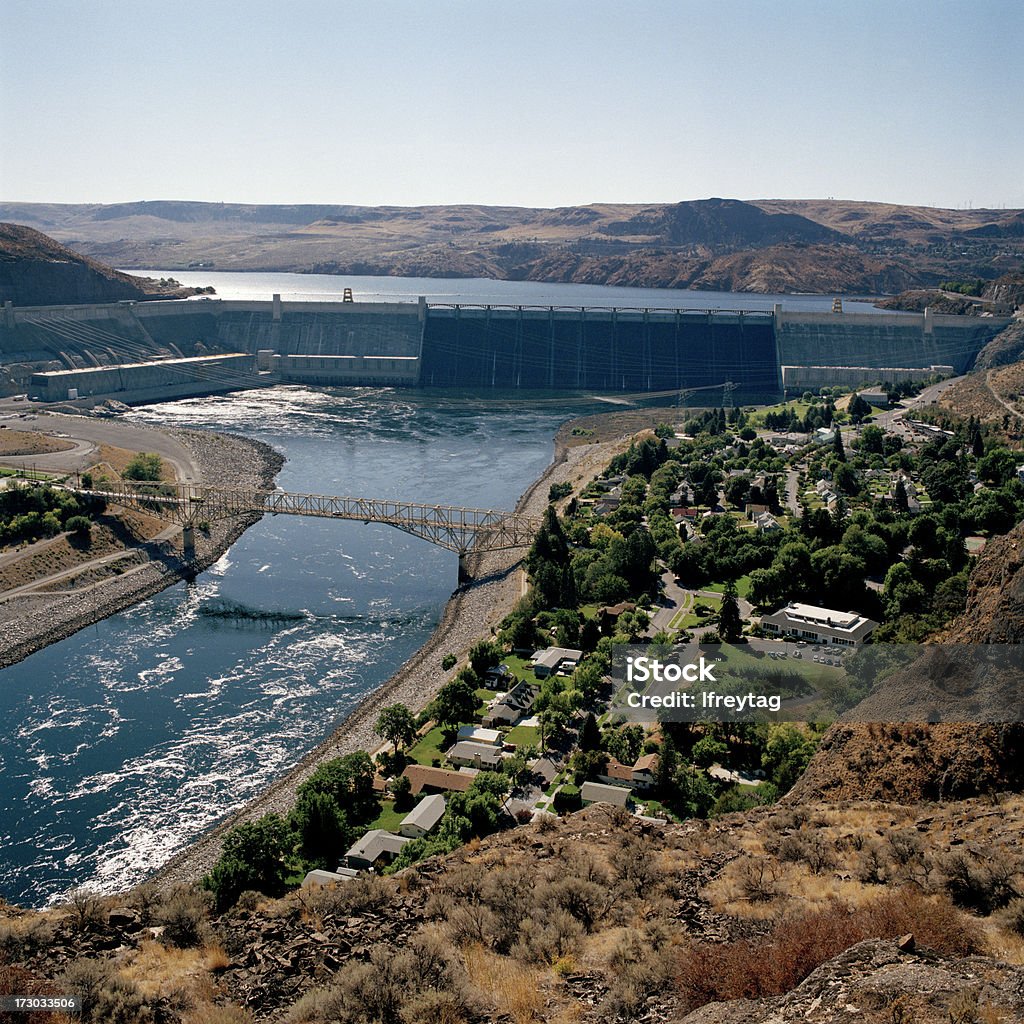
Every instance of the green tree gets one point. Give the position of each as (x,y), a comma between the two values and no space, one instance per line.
(837,444)
(707,751)
(397,725)
(730,623)
(786,754)
(144,466)
(455,703)
(80,526)
(252,857)
(590,734)
(321,829)
(349,780)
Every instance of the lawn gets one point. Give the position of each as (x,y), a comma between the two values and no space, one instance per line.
(520,666)
(742,587)
(524,736)
(389,819)
(429,747)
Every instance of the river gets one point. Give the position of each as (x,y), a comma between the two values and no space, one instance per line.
(130,738)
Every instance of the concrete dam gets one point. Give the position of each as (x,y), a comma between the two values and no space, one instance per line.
(147,351)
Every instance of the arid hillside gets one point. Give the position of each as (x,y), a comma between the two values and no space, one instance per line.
(758,246)
(36,270)
(782,914)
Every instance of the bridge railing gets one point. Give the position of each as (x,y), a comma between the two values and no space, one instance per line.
(454,527)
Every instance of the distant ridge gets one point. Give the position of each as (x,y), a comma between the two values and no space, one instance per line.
(831,246)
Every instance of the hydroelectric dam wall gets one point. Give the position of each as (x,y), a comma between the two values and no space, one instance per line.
(54,351)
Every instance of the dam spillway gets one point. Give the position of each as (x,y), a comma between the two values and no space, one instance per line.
(195,347)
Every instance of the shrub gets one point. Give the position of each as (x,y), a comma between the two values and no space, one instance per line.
(106,996)
(184,917)
(978,886)
(144,466)
(1012,916)
(80,526)
(448,662)
(568,799)
(777,962)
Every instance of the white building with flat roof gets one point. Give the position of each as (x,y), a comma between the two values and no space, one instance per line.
(819,625)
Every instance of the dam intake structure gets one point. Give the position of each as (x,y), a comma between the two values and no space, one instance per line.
(140,352)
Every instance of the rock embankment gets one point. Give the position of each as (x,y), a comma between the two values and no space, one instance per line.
(33,622)
(469,615)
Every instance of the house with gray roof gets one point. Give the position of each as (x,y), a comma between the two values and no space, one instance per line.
(475,755)
(423,818)
(376,846)
(599,793)
(514,705)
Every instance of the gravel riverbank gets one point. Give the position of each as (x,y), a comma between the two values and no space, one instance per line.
(31,622)
(469,614)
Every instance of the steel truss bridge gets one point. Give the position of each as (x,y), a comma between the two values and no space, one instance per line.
(463,530)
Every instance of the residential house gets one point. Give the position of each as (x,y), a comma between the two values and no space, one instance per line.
(616,774)
(767,523)
(376,847)
(425,779)
(609,615)
(476,734)
(553,660)
(499,677)
(423,818)
(545,769)
(475,755)
(516,704)
(599,793)
(645,771)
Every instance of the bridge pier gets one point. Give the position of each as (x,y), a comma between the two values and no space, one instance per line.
(188,540)
(465,576)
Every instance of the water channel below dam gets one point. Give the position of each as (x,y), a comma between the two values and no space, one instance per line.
(130,738)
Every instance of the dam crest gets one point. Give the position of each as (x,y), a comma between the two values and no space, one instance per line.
(140,352)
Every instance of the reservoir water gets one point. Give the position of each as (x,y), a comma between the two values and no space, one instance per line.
(252,286)
(131,737)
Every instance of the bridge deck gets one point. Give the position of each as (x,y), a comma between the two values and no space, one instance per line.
(452,527)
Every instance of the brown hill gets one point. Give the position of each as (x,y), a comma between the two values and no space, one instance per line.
(854,247)
(817,268)
(36,270)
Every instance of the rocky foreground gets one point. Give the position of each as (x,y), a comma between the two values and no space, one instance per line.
(872,912)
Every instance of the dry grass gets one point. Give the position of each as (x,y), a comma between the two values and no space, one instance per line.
(109,535)
(29,442)
(509,984)
(161,971)
(113,461)
(779,961)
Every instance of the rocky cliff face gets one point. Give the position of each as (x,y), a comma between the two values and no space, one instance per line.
(36,270)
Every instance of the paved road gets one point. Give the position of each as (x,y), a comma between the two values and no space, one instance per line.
(793,491)
(89,434)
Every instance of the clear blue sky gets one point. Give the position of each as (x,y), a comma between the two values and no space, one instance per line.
(519,102)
